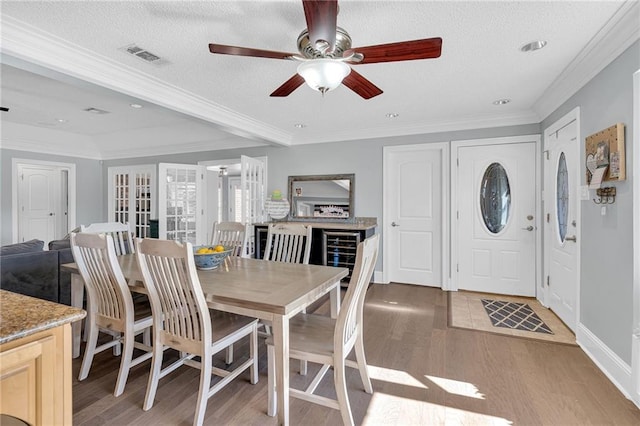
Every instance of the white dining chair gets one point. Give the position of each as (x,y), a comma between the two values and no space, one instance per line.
(230,234)
(122,244)
(288,242)
(120,232)
(183,321)
(291,243)
(329,341)
(110,307)
(234,235)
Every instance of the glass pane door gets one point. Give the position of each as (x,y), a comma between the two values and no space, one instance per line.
(180,202)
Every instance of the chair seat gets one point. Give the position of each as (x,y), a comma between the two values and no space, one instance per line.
(225,323)
(310,333)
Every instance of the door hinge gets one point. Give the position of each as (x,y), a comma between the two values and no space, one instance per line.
(457,214)
(457,162)
(548,280)
(22,176)
(548,217)
(457,267)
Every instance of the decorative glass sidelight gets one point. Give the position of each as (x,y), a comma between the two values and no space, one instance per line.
(562,197)
(495,198)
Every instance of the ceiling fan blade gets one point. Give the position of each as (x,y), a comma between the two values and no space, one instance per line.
(321,16)
(402,51)
(363,87)
(289,86)
(246,51)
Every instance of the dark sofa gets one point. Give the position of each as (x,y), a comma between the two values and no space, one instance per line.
(28,269)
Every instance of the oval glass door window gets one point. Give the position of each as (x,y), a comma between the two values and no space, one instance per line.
(562,197)
(495,198)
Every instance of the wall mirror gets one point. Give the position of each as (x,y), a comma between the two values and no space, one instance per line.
(322,196)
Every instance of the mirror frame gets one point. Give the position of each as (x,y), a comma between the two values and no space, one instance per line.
(351,177)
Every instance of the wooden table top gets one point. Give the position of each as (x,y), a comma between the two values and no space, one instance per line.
(265,286)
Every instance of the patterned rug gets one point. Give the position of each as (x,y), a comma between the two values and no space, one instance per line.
(518,316)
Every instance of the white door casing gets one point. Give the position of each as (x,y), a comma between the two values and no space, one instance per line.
(506,258)
(635,338)
(415,249)
(181,203)
(253,183)
(561,218)
(44,182)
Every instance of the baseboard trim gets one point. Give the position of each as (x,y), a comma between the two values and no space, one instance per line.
(616,370)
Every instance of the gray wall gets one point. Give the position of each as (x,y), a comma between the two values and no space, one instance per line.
(606,287)
(90,195)
(362,157)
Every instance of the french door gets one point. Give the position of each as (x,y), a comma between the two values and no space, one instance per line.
(181,201)
(495,211)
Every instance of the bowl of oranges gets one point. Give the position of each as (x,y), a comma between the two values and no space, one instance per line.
(209,257)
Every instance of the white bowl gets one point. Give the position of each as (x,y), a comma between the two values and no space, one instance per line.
(208,261)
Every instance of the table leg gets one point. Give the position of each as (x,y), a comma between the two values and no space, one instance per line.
(77,296)
(335,301)
(280,330)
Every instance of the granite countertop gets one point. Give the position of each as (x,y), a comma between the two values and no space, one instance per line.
(359,224)
(22,316)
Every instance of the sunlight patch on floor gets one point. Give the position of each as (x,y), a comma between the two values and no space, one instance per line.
(390,305)
(391,409)
(457,387)
(394,376)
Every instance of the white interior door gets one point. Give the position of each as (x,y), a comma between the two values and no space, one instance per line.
(413,225)
(561,206)
(181,203)
(496,218)
(253,184)
(38,200)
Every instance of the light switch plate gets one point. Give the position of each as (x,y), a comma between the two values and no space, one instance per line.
(584,192)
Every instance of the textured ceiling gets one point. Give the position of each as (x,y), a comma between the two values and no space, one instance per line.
(481,62)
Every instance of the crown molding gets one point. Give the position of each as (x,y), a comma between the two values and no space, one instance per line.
(181,148)
(33,45)
(464,123)
(620,32)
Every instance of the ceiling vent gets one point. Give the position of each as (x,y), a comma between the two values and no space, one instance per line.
(144,54)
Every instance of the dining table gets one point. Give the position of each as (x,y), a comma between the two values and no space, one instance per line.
(267,290)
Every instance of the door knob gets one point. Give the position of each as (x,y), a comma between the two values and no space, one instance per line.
(51,214)
(572,238)
(528,228)
(394,224)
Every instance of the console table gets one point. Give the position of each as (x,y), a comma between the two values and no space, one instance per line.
(332,243)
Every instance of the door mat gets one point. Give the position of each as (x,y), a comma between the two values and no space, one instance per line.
(517,316)
(466,310)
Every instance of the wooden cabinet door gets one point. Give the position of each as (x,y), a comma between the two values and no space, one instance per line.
(35,377)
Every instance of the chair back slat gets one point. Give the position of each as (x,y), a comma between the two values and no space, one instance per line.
(350,315)
(230,234)
(106,286)
(290,242)
(119,232)
(177,301)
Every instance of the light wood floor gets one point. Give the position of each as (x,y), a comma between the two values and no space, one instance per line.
(423,373)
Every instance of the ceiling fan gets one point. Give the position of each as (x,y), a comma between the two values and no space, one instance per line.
(326,54)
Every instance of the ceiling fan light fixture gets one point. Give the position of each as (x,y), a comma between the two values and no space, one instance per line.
(323,74)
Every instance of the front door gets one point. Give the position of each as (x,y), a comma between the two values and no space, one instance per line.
(413,214)
(37,207)
(561,207)
(496,218)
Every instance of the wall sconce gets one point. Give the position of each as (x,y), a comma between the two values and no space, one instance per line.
(605,195)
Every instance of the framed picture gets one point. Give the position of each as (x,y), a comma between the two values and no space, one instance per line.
(606,149)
